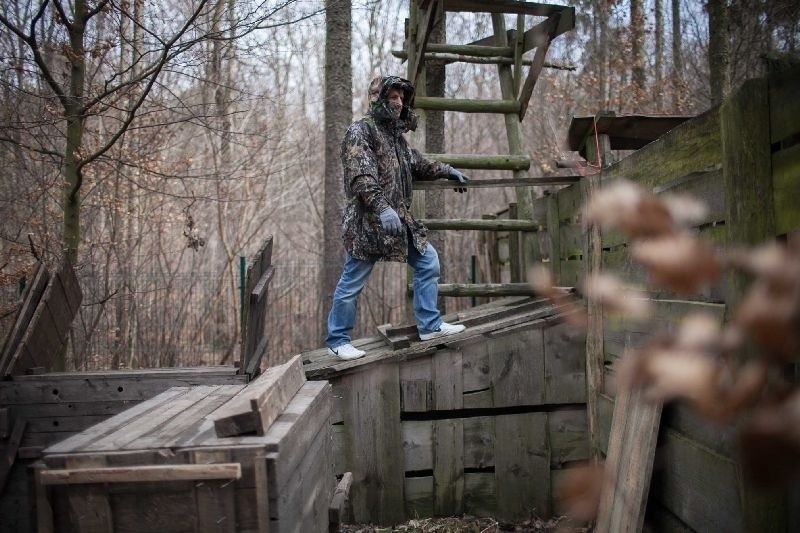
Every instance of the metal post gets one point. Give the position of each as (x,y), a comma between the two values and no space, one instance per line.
(241,288)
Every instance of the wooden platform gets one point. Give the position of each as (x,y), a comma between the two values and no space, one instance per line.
(483,422)
(161,467)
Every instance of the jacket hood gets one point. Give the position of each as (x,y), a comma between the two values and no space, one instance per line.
(379,104)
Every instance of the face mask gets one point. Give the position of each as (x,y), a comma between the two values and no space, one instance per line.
(395,108)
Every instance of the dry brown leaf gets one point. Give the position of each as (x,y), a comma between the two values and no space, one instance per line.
(579,491)
(681,263)
(699,332)
(770,443)
(610,292)
(630,208)
(771,320)
(686,211)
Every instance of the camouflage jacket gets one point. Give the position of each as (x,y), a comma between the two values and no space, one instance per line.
(379,167)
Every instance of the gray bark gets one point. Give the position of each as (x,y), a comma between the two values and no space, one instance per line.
(718,50)
(659,54)
(637,48)
(338,114)
(677,57)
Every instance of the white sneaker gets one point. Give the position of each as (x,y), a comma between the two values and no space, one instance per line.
(346,351)
(444,330)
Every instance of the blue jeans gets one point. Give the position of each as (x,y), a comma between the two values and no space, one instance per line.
(342,317)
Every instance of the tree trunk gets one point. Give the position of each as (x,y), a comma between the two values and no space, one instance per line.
(435,143)
(75,121)
(338,114)
(601,14)
(637,50)
(718,50)
(659,54)
(677,58)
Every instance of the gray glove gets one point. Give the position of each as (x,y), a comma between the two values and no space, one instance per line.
(391,222)
(455,175)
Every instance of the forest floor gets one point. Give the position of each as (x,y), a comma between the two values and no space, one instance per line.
(468,524)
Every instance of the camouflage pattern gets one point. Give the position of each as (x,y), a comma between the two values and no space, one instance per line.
(379,167)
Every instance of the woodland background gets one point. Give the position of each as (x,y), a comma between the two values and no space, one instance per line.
(202,132)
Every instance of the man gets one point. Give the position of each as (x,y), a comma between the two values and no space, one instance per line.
(379,167)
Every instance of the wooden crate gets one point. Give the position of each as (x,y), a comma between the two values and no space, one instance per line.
(159,467)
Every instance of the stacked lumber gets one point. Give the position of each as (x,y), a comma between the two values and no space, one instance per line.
(250,457)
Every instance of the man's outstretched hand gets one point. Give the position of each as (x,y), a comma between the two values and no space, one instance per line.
(456,175)
(391,222)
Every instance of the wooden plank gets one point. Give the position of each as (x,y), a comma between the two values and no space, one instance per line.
(448,467)
(396,339)
(786,189)
(216,510)
(138,474)
(465,105)
(260,290)
(88,505)
(538,181)
(504,6)
(338,511)
(554,234)
(698,486)
(479,437)
(44,508)
(24,317)
(693,146)
(522,466)
(480,495)
(517,368)
(605,413)
(486,289)
(261,402)
(78,442)
(262,493)
(487,162)
(448,384)
(567,435)
(547,33)
(8,453)
(5,423)
(417,438)
(375,451)
(564,364)
(480,224)
(129,436)
(629,464)
(418,494)
(476,370)
(515,262)
(416,392)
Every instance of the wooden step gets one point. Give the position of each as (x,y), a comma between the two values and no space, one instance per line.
(485,289)
(541,181)
(470,50)
(504,6)
(466,105)
(480,224)
(488,60)
(487,162)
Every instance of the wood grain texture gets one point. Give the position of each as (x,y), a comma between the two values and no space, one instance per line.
(629,464)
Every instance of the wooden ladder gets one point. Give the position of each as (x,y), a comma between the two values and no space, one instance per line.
(505,49)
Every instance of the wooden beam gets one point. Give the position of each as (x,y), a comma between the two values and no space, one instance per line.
(480,224)
(486,289)
(338,510)
(488,60)
(466,105)
(503,6)
(471,50)
(140,474)
(260,290)
(544,37)
(8,453)
(629,465)
(431,9)
(33,293)
(539,181)
(487,162)
(258,405)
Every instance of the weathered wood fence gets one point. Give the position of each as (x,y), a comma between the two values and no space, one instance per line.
(743,159)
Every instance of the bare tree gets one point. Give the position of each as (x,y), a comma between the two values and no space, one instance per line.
(718,49)
(338,114)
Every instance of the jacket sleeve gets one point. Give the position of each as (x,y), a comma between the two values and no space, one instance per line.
(423,169)
(360,168)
